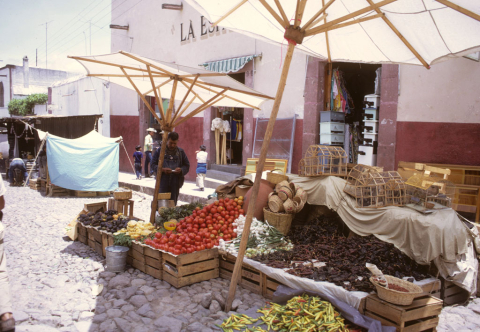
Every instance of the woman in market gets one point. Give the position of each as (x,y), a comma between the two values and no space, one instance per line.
(175,167)
(201,166)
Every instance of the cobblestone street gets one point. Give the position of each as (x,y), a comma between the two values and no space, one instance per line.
(52,279)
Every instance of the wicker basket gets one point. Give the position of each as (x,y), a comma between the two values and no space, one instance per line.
(275,203)
(289,206)
(285,193)
(299,204)
(165,196)
(275,177)
(281,184)
(126,193)
(396,297)
(281,221)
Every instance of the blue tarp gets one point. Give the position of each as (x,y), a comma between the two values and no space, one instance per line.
(88,163)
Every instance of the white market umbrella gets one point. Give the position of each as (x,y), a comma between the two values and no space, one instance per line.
(418,32)
(156,78)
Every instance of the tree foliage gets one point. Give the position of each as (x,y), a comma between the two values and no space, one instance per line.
(25,106)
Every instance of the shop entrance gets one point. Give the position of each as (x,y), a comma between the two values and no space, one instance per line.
(235,138)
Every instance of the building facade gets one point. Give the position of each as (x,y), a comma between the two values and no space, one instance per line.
(425,115)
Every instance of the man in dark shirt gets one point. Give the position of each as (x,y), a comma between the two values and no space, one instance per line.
(137,156)
(175,167)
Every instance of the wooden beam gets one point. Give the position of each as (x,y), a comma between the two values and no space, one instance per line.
(196,95)
(354,21)
(160,107)
(201,108)
(256,185)
(171,102)
(109,64)
(299,12)
(179,114)
(159,175)
(323,17)
(229,12)
(158,86)
(185,97)
(146,62)
(312,21)
(118,75)
(159,101)
(460,9)
(202,75)
(228,97)
(233,89)
(399,35)
(141,96)
(274,14)
(282,12)
(319,29)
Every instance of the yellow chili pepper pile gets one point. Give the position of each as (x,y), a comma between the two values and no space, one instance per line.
(301,313)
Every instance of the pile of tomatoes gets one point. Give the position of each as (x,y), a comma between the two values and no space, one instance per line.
(203,229)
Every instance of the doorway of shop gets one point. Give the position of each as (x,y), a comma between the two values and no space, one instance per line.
(351,82)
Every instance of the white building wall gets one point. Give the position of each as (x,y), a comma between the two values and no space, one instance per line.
(164,35)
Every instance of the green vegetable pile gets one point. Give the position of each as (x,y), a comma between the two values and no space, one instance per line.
(176,213)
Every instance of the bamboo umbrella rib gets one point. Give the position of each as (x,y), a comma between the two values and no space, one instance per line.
(201,107)
(320,28)
(228,97)
(155,91)
(299,12)
(196,111)
(282,12)
(110,64)
(233,89)
(196,95)
(202,75)
(274,14)
(186,95)
(229,12)
(146,62)
(158,86)
(319,19)
(354,21)
(460,9)
(141,96)
(399,35)
(118,75)
(179,114)
(161,104)
(312,21)
(171,102)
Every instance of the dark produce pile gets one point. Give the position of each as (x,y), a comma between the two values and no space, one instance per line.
(109,221)
(177,213)
(345,259)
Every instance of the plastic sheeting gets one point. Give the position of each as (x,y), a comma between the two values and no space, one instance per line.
(88,163)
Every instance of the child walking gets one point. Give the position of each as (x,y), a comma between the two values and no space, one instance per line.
(138,155)
(201,166)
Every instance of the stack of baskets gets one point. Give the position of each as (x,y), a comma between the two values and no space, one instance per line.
(283,203)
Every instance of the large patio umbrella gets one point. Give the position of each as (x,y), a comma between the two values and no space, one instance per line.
(417,32)
(157,78)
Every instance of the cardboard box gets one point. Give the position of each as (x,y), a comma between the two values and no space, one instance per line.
(241,190)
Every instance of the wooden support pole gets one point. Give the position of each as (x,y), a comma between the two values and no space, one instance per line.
(460,9)
(282,12)
(157,98)
(171,102)
(159,176)
(312,21)
(229,12)
(256,186)
(185,97)
(274,14)
(158,86)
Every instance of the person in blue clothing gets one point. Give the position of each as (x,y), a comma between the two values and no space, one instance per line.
(137,156)
(201,166)
(175,167)
(17,163)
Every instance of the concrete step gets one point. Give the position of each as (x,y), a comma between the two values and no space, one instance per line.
(213,183)
(222,176)
(234,169)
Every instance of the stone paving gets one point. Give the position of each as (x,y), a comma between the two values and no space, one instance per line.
(52,280)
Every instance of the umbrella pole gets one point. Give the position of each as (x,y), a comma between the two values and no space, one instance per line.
(258,177)
(159,176)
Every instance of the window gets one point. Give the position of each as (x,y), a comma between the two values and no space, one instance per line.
(2,100)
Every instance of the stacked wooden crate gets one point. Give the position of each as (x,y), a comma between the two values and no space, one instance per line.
(80,193)
(35,185)
(56,191)
(251,279)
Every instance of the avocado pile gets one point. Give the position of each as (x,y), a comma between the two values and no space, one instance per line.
(109,221)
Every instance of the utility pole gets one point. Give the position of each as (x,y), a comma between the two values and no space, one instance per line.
(36,57)
(46,43)
(90,36)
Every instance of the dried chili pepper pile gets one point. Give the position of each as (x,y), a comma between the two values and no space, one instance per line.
(323,241)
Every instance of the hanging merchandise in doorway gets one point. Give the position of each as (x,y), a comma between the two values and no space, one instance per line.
(341,100)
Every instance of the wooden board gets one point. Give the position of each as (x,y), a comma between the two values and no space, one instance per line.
(421,315)
(79,193)
(191,279)
(96,207)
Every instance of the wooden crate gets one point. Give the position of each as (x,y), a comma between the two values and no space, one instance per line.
(103,193)
(452,294)
(421,315)
(56,191)
(187,269)
(96,207)
(251,279)
(122,206)
(153,262)
(79,193)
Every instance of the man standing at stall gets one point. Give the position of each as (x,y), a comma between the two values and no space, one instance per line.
(175,167)
(147,148)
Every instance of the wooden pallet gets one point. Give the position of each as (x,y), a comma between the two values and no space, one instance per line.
(421,315)
(187,269)
(251,279)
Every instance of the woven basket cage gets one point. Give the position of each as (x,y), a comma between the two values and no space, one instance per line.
(396,297)
(281,221)
(126,193)
(323,160)
(275,204)
(276,178)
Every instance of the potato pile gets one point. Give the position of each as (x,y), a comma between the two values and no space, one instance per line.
(136,229)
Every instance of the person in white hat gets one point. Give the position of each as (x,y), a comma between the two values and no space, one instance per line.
(147,148)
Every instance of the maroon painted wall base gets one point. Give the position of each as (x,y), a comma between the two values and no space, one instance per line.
(191,137)
(127,127)
(437,142)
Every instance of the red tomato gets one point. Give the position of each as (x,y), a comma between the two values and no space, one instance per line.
(214,210)
(241,211)
(232,213)
(188,240)
(216,203)
(202,215)
(209,246)
(178,241)
(197,238)
(202,247)
(197,209)
(158,235)
(189,250)
(220,208)
(168,233)
(203,225)
(176,252)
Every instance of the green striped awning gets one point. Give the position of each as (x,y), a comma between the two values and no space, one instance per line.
(231,65)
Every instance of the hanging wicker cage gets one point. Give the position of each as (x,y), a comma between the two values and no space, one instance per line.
(323,160)
(372,188)
(430,192)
